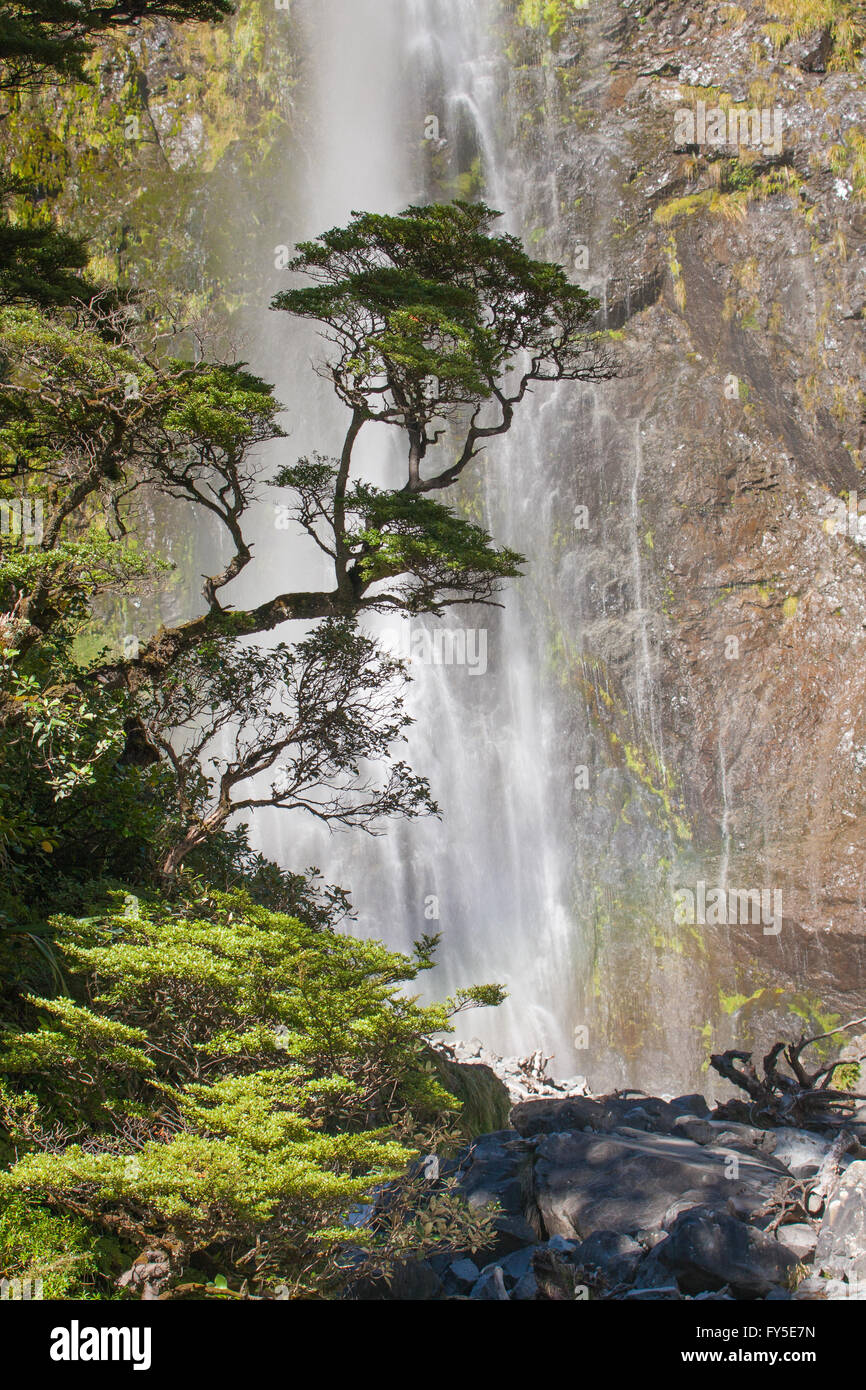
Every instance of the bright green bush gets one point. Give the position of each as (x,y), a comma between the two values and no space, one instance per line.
(242,1079)
(59,1255)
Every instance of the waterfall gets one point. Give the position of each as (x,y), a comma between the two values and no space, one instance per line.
(492,875)
(530,880)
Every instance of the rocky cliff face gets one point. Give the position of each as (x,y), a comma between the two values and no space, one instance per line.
(704,599)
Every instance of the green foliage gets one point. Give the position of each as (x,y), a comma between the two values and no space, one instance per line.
(405,533)
(400,535)
(848,159)
(58,1254)
(42,39)
(430,306)
(552,14)
(39,264)
(847,1077)
(218,1075)
(796,19)
(239,1074)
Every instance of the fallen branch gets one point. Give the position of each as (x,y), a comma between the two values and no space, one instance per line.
(801,1098)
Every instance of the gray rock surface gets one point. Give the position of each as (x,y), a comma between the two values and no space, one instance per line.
(841,1246)
(627,1181)
(708,1250)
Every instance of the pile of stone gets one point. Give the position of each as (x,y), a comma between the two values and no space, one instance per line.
(523,1077)
(638,1197)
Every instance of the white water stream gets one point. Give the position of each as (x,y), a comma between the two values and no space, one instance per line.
(505,875)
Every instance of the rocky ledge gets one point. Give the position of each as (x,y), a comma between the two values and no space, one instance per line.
(637,1197)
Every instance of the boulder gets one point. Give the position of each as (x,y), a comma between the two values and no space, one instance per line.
(485,1100)
(491,1287)
(614,1255)
(496,1171)
(465,1273)
(841,1247)
(526,1289)
(801,1151)
(832,1290)
(694,1104)
(534,1117)
(510,1233)
(647,1114)
(709,1249)
(515,1265)
(798,1238)
(733,1131)
(692,1127)
(412,1281)
(627,1181)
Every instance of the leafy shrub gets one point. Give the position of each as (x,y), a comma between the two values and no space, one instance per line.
(224,1083)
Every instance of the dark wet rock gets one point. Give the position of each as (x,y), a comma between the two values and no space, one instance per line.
(511,1233)
(412,1281)
(497,1171)
(626,1182)
(612,1253)
(550,1117)
(527,1289)
(611,1209)
(514,1266)
(709,1249)
(647,1114)
(465,1273)
(698,1130)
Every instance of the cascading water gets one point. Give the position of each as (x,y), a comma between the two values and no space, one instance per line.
(411,100)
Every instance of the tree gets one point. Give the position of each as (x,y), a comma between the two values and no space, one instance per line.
(94,409)
(239,1079)
(440,330)
(293,728)
(39,264)
(430,317)
(437,329)
(47,40)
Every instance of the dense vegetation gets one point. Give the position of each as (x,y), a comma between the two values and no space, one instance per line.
(200,1074)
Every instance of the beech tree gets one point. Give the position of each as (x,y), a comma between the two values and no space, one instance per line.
(39,263)
(299,729)
(440,330)
(435,328)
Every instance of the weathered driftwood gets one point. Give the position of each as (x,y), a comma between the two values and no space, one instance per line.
(799,1098)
